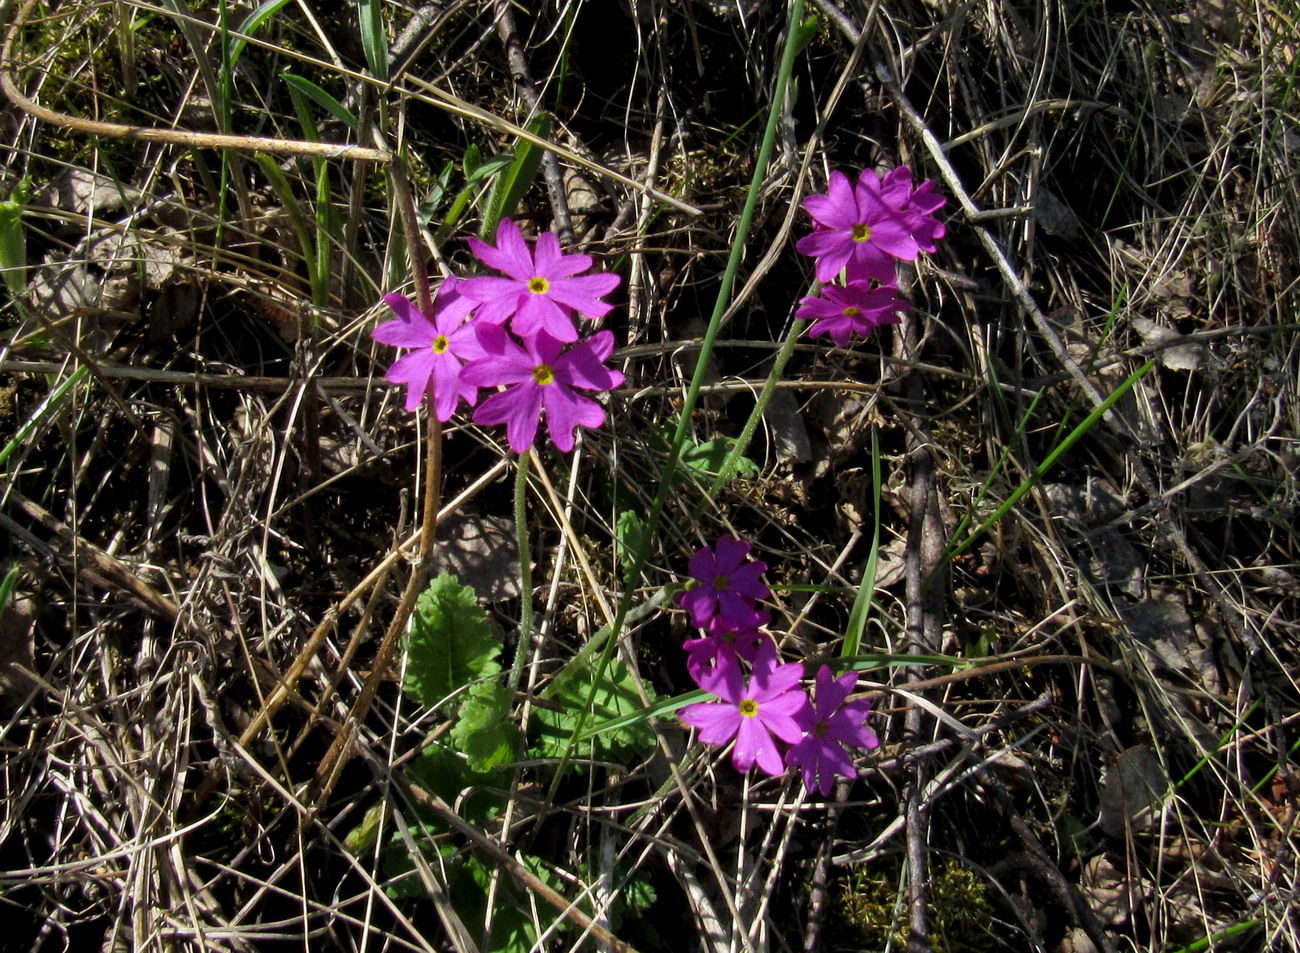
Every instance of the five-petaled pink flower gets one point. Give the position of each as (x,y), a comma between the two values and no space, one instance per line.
(856,230)
(855,308)
(541,374)
(729,585)
(831,723)
(916,206)
(438,348)
(543,289)
(769,703)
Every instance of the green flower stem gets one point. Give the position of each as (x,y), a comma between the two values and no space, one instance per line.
(747,432)
(794,40)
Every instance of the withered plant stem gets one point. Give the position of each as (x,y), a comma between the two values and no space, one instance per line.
(337,754)
(175,137)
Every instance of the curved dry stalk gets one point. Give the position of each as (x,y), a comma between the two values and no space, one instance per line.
(174,137)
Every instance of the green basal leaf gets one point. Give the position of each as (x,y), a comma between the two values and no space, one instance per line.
(708,457)
(451,643)
(488,167)
(468,165)
(616,700)
(484,733)
(428,207)
(13,238)
(630,534)
(478,795)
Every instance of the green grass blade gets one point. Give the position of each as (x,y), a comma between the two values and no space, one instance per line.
(1077,434)
(867,587)
(47,406)
(13,238)
(249,27)
(373,38)
(292,208)
(321,98)
(7,587)
(510,186)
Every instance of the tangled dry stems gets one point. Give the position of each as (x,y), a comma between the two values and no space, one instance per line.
(235,477)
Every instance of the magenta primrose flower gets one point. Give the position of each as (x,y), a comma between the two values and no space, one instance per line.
(544,286)
(856,230)
(916,206)
(831,723)
(852,309)
(769,703)
(723,639)
(729,585)
(439,346)
(541,375)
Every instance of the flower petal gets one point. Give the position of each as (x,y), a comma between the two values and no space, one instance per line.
(717,721)
(552,264)
(583,366)
(566,411)
(539,313)
(415,370)
(583,293)
(754,744)
(510,254)
(519,408)
(411,329)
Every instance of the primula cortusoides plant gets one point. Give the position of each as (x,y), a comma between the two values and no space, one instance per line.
(860,231)
(515,332)
(769,708)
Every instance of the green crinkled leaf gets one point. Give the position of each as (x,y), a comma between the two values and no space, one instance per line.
(468,880)
(709,456)
(451,643)
(483,733)
(477,794)
(630,532)
(13,239)
(616,697)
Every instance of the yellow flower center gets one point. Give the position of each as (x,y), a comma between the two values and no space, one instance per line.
(749,708)
(539,285)
(543,374)
(820,729)
(861,232)
(852,312)
(440,344)
(720,583)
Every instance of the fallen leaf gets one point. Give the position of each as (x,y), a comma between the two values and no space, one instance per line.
(1130,789)
(17,647)
(482,552)
(789,435)
(1176,357)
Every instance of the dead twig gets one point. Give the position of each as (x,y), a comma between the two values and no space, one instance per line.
(523,78)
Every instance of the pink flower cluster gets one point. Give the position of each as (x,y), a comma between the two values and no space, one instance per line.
(770,705)
(515,332)
(859,231)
